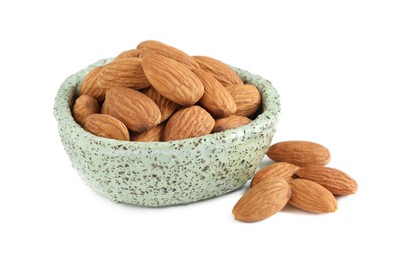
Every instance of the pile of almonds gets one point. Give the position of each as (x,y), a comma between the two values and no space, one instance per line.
(298,177)
(158,93)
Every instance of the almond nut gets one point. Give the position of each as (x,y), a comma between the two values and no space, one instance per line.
(137,111)
(172,79)
(169,52)
(84,106)
(216,99)
(301,153)
(312,197)
(262,201)
(222,72)
(106,126)
(152,135)
(230,122)
(188,122)
(166,106)
(334,180)
(90,85)
(247,99)
(281,169)
(123,72)
(134,53)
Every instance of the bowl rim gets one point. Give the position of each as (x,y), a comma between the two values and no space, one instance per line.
(62,111)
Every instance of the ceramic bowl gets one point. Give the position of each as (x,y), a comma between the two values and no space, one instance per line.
(167,173)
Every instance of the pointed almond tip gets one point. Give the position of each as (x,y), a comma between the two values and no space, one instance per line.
(234,211)
(335,207)
(355,187)
(354,191)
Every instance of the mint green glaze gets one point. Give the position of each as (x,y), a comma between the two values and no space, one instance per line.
(167,173)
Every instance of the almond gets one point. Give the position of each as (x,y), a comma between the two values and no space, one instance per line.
(166,106)
(173,80)
(281,169)
(262,201)
(123,72)
(301,153)
(230,122)
(216,99)
(188,122)
(247,98)
(90,85)
(167,51)
(222,72)
(137,111)
(334,180)
(152,135)
(134,53)
(84,106)
(311,197)
(106,126)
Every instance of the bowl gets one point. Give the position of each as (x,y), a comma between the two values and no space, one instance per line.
(167,173)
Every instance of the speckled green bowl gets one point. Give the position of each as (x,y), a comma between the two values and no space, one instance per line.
(167,173)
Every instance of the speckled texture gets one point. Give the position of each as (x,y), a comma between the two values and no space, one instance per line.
(167,173)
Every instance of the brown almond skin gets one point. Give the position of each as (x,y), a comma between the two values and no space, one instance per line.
(167,51)
(281,169)
(247,99)
(219,70)
(230,122)
(262,201)
(216,98)
(90,85)
(134,53)
(172,79)
(106,126)
(123,72)
(334,180)
(300,153)
(311,196)
(152,135)
(188,122)
(84,106)
(166,106)
(137,111)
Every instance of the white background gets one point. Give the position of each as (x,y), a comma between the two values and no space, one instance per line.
(336,65)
